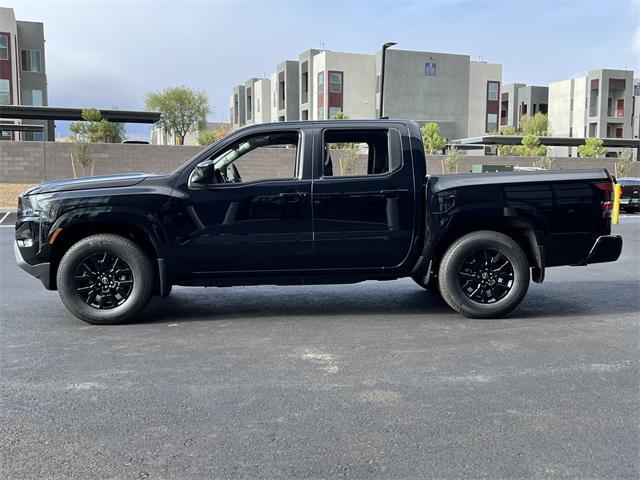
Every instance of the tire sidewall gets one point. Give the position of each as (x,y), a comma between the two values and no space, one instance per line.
(460,251)
(114,245)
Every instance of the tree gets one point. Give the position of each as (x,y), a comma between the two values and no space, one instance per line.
(434,142)
(93,129)
(623,165)
(592,148)
(454,155)
(340,116)
(537,124)
(532,128)
(509,130)
(96,129)
(212,136)
(349,151)
(530,147)
(182,109)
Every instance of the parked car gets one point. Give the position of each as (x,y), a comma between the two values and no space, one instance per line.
(630,196)
(331,202)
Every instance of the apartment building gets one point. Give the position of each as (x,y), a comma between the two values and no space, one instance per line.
(461,95)
(600,104)
(518,100)
(344,82)
(23,78)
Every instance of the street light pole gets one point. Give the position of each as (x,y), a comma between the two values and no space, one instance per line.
(382,70)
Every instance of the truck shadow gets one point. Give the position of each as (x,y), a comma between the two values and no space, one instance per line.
(398,298)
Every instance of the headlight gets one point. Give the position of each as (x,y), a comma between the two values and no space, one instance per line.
(32,205)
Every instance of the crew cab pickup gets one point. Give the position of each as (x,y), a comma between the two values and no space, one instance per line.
(311,203)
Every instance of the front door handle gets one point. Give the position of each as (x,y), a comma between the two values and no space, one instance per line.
(393,193)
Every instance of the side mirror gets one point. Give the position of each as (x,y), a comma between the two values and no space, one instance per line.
(203,173)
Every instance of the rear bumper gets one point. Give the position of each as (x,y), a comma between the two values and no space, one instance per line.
(606,248)
(40,271)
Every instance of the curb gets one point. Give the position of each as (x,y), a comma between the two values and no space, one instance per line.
(7,210)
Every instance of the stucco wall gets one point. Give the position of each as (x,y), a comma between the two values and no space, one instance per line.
(34,162)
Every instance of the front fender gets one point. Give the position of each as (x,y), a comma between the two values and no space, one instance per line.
(138,218)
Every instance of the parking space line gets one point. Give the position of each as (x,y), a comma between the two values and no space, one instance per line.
(5,216)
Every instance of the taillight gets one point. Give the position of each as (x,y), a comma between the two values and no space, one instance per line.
(606,204)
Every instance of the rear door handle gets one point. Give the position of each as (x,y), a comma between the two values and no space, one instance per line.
(293,196)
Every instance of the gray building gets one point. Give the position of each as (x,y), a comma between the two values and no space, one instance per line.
(23,77)
(518,100)
(599,104)
(285,85)
(237,107)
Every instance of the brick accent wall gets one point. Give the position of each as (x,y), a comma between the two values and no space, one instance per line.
(34,162)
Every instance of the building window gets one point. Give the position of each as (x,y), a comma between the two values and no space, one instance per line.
(636,90)
(4,46)
(430,69)
(274,98)
(321,82)
(320,113)
(493,90)
(305,86)
(333,111)
(249,104)
(5,99)
(258,101)
(492,122)
(32,97)
(31,61)
(335,82)
(305,115)
(33,136)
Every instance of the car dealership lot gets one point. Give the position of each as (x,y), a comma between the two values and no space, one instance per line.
(379,379)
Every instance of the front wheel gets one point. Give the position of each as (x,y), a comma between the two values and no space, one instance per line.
(484,274)
(105,279)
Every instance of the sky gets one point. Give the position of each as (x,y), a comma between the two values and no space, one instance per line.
(111,53)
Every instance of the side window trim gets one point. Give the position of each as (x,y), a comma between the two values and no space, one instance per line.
(394,142)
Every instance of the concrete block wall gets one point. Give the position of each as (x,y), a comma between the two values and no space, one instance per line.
(434,163)
(34,162)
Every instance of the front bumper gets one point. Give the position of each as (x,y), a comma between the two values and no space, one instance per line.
(40,271)
(606,248)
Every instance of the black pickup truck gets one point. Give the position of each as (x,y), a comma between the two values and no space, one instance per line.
(311,203)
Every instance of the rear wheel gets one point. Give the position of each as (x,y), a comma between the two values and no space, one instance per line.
(105,279)
(484,274)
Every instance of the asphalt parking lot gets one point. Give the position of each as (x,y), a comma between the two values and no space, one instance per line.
(378,379)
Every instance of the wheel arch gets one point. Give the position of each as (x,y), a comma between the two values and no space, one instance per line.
(71,233)
(518,228)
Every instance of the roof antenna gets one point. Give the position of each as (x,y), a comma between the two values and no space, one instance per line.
(322,46)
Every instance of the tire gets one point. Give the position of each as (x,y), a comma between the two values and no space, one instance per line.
(479,286)
(430,286)
(97,288)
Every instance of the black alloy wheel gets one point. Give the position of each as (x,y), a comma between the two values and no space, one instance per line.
(103,280)
(486,276)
